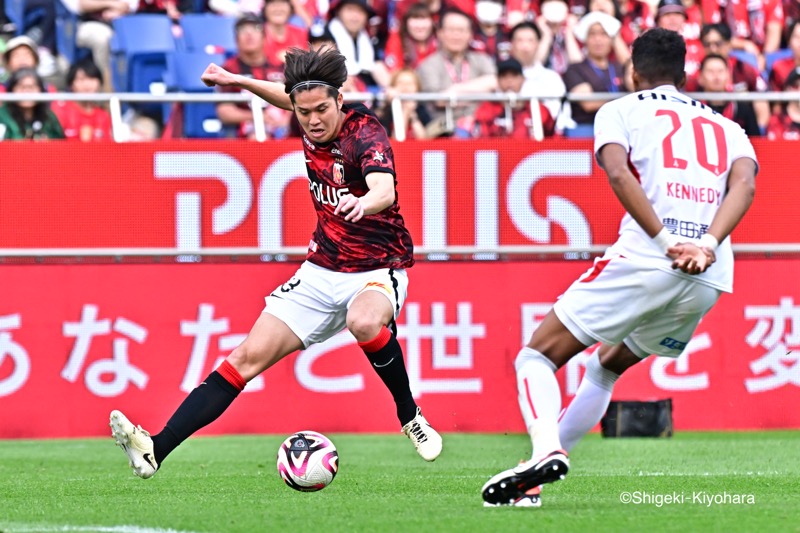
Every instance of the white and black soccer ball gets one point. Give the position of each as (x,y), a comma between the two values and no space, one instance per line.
(308,461)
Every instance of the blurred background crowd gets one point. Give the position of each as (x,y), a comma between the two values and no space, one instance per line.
(530,48)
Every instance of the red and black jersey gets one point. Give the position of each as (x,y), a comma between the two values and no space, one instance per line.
(780,71)
(338,168)
(782,126)
(490,121)
(80,124)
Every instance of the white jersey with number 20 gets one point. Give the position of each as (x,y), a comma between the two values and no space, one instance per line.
(682,152)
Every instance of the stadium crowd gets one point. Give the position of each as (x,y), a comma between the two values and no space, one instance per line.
(531,48)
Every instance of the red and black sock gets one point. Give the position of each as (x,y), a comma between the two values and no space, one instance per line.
(386,356)
(203,405)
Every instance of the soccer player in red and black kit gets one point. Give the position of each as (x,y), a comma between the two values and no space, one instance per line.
(354,274)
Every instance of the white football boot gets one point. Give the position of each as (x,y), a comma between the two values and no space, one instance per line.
(136,443)
(426,440)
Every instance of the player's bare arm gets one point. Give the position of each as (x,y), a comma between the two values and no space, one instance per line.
(272,92)
(741,191)
(613,159)
(380,196)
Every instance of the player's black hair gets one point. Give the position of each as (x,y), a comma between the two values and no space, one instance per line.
(525,25)
(659,55)
(712,57)
(720,27)
(88,66)
(325,66)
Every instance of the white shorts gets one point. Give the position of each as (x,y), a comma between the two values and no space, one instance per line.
(652,311)
(314,302)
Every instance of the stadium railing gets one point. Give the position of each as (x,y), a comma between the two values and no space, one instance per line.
(115,101)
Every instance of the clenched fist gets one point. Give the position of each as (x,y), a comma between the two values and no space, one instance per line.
(216,75)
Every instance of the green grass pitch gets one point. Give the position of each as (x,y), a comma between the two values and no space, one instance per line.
(230,484)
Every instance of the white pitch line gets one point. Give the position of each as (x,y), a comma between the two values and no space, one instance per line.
(30,528)
(643,473)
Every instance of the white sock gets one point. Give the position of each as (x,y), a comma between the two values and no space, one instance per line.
(589,405)
(539,400)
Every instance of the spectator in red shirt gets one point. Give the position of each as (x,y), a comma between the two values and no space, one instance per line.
(785,124)
(279,34)
(84,121)
(412,41)
(492,118)
(250,61)
(783,67)
(672,15)
(636,17)
(756,24)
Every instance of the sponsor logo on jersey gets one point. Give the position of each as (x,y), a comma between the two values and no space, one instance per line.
(338,173)
(309,144)
(335,151)
(327,195)
(378,156)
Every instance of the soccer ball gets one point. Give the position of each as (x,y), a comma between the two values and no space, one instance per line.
(308,461)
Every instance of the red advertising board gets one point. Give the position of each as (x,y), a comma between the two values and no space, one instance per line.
(79,340)
(242,194)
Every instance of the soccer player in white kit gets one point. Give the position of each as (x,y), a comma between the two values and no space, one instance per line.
(686,177)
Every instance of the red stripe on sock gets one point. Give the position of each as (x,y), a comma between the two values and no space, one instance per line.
(231,375)
(528,394)
(381,340)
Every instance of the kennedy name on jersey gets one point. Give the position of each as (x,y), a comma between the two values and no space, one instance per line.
(703,195)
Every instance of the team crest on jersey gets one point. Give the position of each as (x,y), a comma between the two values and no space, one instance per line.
(338,173)
(377,157)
